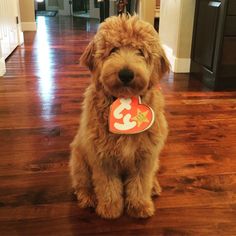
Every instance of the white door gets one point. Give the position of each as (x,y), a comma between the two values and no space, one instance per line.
(93,11)
(8,26)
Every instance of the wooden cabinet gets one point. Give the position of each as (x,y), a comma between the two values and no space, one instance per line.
(213,56)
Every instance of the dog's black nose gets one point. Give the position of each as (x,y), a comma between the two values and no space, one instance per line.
(126,75)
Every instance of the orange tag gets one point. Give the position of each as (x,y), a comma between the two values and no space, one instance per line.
(129,116)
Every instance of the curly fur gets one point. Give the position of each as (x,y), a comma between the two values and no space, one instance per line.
(113,172)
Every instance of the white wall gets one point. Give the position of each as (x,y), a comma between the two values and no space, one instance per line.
(27,15)
(147,10)
(2,63)
(176,28)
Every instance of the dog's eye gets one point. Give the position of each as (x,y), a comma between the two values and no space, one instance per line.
(141,53)
(113,50)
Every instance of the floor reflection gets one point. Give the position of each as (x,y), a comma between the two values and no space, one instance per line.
(45,70)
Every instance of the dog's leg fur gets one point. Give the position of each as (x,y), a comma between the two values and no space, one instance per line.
(81,180)
(156,190)
(109,191)
(139,187)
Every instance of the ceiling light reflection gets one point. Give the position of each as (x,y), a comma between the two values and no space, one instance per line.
(45,72)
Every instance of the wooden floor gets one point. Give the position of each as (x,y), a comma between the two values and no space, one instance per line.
(40,101)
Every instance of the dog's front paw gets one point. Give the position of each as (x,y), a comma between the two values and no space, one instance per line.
(86,199)
(110,210)
(140,208)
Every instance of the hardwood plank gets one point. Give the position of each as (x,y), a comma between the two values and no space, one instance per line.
(86,223)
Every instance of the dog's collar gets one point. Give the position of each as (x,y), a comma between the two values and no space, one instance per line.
(113,98)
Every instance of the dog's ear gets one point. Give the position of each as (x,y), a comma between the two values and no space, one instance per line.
(161,67)
(164,64)
(87,58)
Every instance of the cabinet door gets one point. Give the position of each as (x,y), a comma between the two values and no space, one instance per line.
(207,15)
(4,34)
(8,26)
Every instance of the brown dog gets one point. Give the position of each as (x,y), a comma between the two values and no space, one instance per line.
(115,171)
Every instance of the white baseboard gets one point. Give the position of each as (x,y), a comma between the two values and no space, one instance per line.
(182,65)
(28,26)
(2,66)
(178,65)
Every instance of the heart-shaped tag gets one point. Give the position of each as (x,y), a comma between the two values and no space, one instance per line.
(129,116)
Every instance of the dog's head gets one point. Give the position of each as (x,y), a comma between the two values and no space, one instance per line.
(125,56)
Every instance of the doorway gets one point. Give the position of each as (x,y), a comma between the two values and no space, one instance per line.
(41,6)
(101,9)
(81,8)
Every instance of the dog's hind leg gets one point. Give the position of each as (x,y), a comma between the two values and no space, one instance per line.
(81,180)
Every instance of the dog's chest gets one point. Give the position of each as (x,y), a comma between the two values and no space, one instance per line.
(126,149)
(125,146)
(120,147)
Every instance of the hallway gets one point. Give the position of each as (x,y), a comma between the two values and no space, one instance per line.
(40,103)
